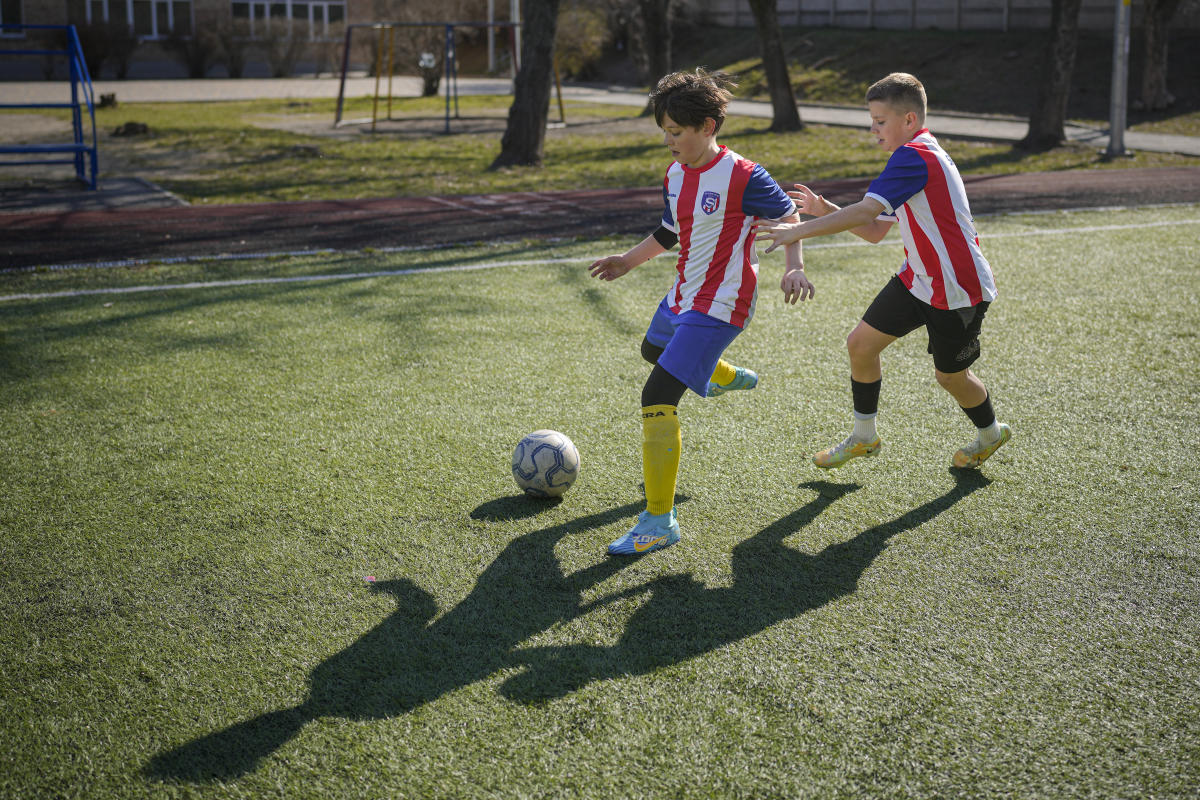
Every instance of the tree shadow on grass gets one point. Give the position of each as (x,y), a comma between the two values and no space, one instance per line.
(408,660)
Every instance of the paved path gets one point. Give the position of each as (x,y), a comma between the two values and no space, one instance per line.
(988,128)
(128,219)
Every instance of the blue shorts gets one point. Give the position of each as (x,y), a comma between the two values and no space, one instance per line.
(692,344)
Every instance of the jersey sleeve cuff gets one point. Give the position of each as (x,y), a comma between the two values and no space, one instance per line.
(888,211)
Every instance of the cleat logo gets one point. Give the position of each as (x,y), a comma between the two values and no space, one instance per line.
(643,542)
(710,202)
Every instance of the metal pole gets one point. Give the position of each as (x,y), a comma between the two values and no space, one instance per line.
(342,84)
(454,65)
(1118,100)
(378,69)
(447,57)
(391,37)
(514,15)
(491,37)
(562,115)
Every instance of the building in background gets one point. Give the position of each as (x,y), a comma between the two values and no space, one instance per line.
(261,38)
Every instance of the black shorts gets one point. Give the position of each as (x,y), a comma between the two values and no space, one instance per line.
(953,335)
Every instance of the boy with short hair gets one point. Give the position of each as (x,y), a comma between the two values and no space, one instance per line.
(945,283)
(712,197)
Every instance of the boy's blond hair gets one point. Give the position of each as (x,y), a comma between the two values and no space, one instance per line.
(689,98)
(900,90)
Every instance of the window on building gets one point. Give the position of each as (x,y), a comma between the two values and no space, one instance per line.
(301,18)
(150,19)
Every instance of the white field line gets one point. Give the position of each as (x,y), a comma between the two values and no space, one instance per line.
(481,266)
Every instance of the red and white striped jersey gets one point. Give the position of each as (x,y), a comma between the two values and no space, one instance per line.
(711,208)
(943,264)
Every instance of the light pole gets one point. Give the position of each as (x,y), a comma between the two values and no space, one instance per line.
(1118,100)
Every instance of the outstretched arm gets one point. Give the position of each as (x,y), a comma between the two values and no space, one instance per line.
(610,268)
(859,215)
(816,205)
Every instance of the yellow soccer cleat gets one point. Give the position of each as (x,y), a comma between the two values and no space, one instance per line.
(976,452)
(839,454)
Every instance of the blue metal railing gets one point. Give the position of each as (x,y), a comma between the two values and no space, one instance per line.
(80,153)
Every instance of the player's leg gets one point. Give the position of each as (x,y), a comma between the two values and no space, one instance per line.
(865,344)
(890,316)
(972,396)
(650,351)
(725,377)
(728,378)
(687,360)
(662,440)
(954,344)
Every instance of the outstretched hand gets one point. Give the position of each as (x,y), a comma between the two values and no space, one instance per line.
(780,233)
(809,202)
(609,268)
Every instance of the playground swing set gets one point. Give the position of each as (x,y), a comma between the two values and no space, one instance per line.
(384,47)
(81,151)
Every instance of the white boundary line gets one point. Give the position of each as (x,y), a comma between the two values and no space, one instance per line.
(140,262)
(474,267)
(294,279)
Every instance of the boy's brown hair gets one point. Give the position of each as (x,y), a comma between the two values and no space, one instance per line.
(689,98)
(900,90)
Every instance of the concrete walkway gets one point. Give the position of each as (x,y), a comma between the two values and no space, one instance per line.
(984,128)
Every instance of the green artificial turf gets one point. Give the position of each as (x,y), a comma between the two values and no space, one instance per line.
(198,482)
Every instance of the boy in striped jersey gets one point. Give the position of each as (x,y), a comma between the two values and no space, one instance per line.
(945,283)
(711,196)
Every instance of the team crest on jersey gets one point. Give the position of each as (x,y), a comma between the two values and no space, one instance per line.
(710,202)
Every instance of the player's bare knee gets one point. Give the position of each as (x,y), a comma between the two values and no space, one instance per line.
(859,347)
(950,380)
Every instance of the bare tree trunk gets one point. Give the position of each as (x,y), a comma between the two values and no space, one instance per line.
(649,33)
(1047,122)
(1155,32)
(785,115)
(525,136)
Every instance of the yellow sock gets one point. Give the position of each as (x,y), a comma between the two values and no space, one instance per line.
(661,442)
(724,374)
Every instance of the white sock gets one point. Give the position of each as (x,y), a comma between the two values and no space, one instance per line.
(989,434)
(864,427)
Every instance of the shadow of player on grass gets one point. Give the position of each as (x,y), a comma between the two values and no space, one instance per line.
(408,660)
(683,618)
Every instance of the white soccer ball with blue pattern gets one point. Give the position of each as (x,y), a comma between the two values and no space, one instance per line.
(545,464)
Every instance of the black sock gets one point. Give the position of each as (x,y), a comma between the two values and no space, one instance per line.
(982,415)
(866,396)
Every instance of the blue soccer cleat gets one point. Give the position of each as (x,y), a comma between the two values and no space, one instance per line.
(652,532)
(745,379)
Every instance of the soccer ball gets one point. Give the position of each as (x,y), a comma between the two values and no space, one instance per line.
(545,464)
